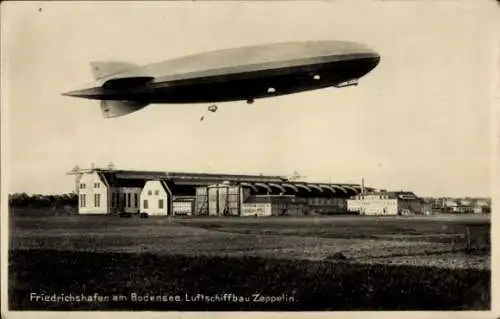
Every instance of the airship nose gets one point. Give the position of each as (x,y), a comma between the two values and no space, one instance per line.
(370,59)
(376,59)
(367,63)
(374,55)
(372,62)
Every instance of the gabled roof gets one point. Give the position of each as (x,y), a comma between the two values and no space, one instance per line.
(103,179)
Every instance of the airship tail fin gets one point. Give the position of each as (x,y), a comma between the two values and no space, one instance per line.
(111,109)
(103,69)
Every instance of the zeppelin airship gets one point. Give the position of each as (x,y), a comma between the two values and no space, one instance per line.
(238,74)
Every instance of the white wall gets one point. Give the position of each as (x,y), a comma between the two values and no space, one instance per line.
(256,209)
(353,205)
(373,206)
(153,192)
(183,207)
(93,195)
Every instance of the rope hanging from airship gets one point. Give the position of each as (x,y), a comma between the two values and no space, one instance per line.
(211,108)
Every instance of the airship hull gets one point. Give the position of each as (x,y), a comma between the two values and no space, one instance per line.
(261,83)
(245,73)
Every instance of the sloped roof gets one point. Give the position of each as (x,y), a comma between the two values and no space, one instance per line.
(186,183)
(112,180)
(257,199)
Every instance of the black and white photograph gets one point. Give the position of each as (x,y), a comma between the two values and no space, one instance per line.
(249,156)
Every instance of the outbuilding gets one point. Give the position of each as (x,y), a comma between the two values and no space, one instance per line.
(156,198)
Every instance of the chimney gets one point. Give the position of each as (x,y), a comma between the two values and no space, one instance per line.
(362,185)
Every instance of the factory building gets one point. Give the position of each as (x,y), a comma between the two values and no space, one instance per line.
(386,203)
(110,191)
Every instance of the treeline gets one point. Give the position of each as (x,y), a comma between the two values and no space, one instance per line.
(42,201)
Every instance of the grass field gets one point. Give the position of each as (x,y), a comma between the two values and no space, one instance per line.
(313,263)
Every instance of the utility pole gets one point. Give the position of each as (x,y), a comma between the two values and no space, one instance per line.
(78,175)
(111,166)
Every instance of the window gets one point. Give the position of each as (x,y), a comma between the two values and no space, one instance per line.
(145,204)
(128,199)
(82,185)
(157,192)
(150,193)
(136,200)
(97,185)
(82,200)
(97,200)
(160,203)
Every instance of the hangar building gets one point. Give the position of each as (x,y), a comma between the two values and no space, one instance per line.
(110,191)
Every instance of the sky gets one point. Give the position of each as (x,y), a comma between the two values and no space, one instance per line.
(421,121)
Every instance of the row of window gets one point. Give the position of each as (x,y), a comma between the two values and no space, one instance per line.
(324,201)
(96,185)
(151,192)
(97,200)
(128,200)
(378,203)
(372,197)
(255,205)
(145,203)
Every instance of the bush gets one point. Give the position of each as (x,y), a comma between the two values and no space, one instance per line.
(337,256)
